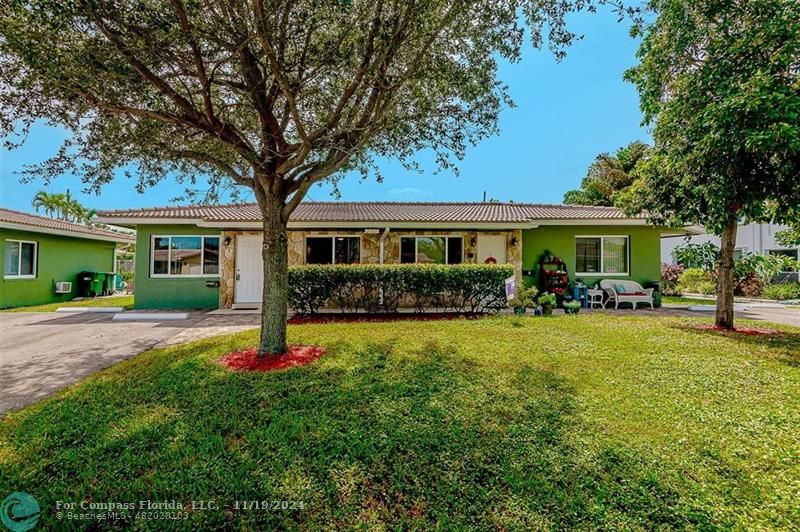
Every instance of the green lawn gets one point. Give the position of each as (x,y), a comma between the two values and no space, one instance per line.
(680,300)
(583,421)
(111,301)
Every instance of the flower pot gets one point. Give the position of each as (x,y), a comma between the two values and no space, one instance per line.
(547,310)
(519,311)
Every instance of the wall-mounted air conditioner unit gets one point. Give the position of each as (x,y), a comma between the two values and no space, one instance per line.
(64,287)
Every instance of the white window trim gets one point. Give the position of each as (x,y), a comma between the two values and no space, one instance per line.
(169,275)
(602,260)
(11,277)
(446,246)
(333,246)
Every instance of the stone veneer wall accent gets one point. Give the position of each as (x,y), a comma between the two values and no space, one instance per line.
(370,250)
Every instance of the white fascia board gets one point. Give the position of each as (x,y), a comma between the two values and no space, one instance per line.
(60,232)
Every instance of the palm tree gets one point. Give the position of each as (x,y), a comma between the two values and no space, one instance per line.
(63,207)
(50,203)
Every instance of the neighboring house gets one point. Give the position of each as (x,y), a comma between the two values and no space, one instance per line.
(210,256)
(39,252)
(750,238)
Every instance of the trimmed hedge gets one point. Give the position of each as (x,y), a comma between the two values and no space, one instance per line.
(473,288)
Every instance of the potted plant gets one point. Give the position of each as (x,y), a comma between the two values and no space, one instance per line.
(571,307)
(547,302)
(523,299)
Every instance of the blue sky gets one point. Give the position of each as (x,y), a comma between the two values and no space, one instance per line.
(566,114)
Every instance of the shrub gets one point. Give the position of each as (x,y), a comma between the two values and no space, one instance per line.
(669,278)
(384,287)
(703,256)
(782,291)
(748,285)
(696,281)
(524,297)
(547,299)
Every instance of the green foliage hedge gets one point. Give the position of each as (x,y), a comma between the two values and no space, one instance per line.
(696,281)
(386,287)
(782,291)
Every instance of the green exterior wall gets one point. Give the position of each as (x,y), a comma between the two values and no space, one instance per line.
(644,253)
(193,292)
(60,258)
(174,292)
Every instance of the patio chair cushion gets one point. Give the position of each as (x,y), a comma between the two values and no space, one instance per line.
(619,288)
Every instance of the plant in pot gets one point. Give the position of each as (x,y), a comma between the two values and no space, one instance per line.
(571,307)
(523,299)
(547,302)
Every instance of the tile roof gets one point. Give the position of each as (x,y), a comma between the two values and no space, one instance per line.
(42,224)
(371,211)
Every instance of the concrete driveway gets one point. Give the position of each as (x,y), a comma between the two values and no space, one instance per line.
(41,353)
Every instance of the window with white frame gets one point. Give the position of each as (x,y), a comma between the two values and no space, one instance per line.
(601,255)
(184,256)
(20,259)
(333,249)
(431,249)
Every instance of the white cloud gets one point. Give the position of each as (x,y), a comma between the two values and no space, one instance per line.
(410,193)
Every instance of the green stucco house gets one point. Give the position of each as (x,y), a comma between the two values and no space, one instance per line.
(210,256)
(41,254)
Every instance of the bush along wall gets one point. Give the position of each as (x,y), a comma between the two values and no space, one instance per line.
(469,288)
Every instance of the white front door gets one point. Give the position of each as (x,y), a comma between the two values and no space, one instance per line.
(249,270)
(491,247)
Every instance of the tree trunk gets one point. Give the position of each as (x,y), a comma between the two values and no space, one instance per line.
(275,298)
(724,314)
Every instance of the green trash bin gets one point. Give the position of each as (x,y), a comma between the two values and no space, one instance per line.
(109,283)
(97,284)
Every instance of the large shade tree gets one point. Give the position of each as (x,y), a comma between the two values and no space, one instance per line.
(271,95)
(720,81)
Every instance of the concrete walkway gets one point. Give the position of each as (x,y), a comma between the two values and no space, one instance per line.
(41,353)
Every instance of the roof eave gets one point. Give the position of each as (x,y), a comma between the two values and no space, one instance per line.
(60,232)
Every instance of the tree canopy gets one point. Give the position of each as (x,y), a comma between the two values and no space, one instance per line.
(788,237)
(609,177)
(719,80)
(273,95)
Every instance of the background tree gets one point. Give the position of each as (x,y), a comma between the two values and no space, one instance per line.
(609,177)
(719,80)
(272,95)
(789,237)
(63,206)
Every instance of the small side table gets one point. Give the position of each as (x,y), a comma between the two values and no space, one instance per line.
(595,297)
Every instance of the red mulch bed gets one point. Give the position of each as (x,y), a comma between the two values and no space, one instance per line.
(740,330)
(248,359)
(381,317)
